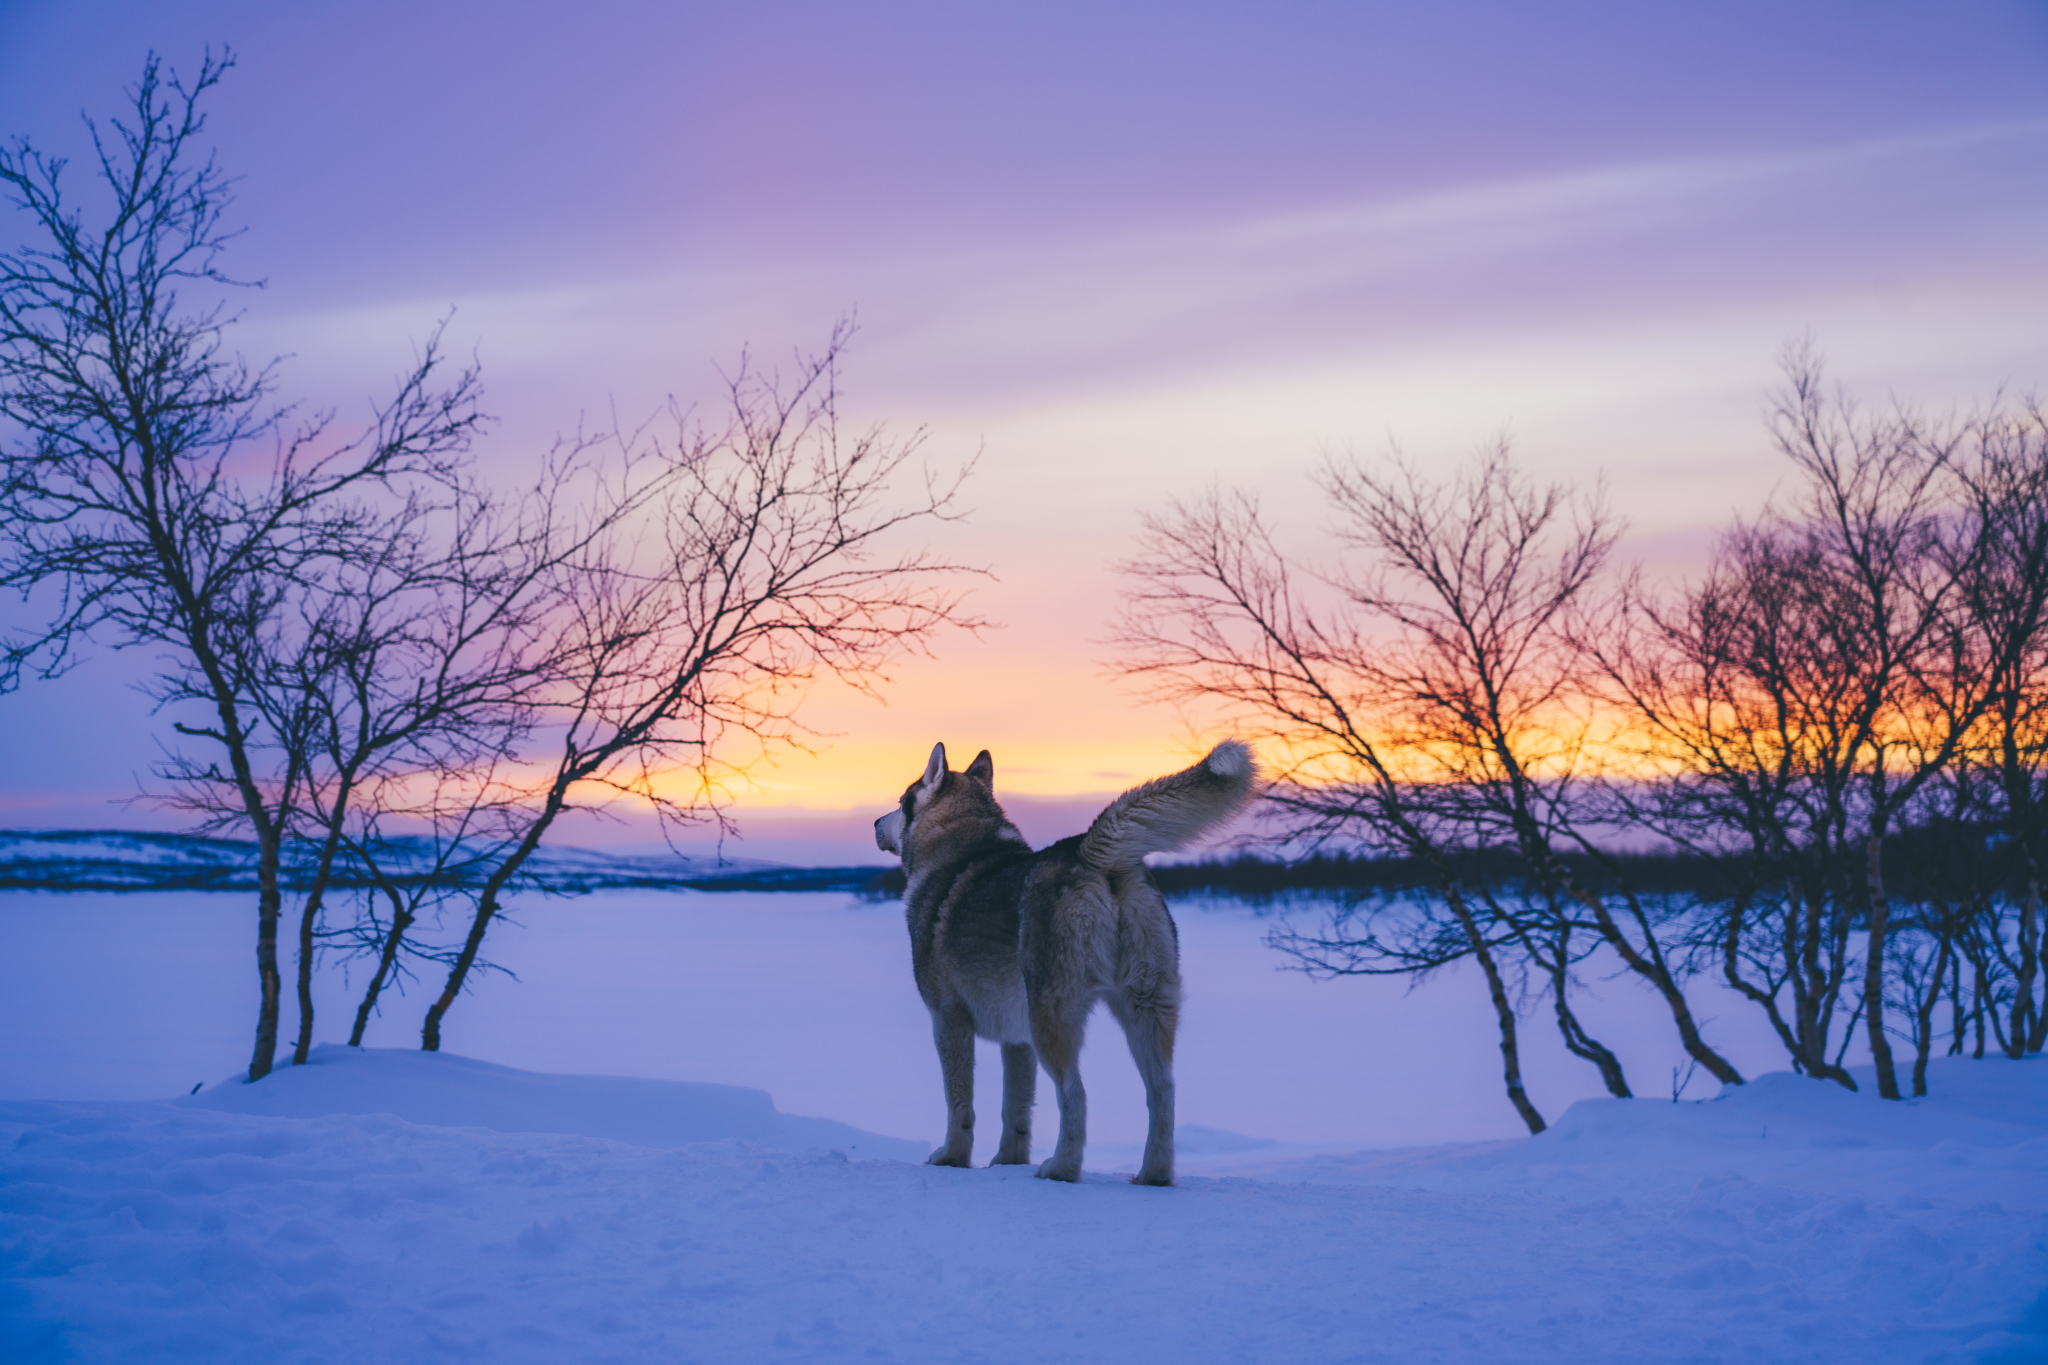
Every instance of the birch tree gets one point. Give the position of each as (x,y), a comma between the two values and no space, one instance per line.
(744,560)
(155,493)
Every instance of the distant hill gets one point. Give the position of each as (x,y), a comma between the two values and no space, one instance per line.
(119,860)
(110,860)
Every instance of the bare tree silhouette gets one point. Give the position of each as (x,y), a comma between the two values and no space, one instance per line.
(751,559)
(1807,701)
(357,635)
(154,493)
(1431,711)
(1839,731)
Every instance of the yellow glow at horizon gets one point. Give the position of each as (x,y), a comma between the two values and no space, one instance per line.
(1049,737)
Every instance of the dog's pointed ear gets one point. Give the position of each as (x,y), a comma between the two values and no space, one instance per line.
(983,770)
(935,770)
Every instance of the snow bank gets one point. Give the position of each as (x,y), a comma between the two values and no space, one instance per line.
(457,1092)
(1786,1222)
(1981,1105)
(1992,1111)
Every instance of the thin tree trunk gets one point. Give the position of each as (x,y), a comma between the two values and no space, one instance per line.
(1849,1030)
(1510,1053)
(309,919)
(1813,990)
(1873,969)
(269,825)
(1584,1044)
(1579,1042)
(1958,1022)
(1810,985)
(2021,823)
(269,909)
(486,909)
(401,920)
(2038,1038)
(2030,1019)
(1977,1009)
(309,915)
(1998,1031)
(1649,965)
(1653,970)
(1923,1042)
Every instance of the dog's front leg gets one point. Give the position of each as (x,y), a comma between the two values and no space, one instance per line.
(1020,1091)
(953,1031)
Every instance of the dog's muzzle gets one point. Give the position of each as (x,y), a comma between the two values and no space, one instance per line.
(889,832)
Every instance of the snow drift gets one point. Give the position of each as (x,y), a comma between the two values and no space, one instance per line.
(455,1092)
(1788,1221)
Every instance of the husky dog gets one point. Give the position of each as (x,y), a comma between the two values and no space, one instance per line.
(1018,946)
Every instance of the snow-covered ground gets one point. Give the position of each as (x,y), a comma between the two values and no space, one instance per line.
(384,1205)
(1788,1221)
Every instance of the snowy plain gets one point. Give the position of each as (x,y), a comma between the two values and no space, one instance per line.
(385,1205)
(808,996)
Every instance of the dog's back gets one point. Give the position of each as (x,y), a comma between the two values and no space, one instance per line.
(1093,919)
(1019,946)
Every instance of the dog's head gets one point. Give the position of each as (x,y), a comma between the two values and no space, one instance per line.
(937,794)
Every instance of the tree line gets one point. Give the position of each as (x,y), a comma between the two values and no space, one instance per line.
(353,632)
(1813,771)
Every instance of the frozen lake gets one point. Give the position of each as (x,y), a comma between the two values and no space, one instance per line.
(809,996)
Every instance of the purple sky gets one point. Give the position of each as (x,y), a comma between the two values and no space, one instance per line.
(1122,249)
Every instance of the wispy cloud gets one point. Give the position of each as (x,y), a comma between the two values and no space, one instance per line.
(1010,320)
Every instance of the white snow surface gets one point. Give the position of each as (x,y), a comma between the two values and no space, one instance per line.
(380,1206)
(457,1092)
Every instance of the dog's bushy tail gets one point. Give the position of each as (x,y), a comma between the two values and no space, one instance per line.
(1168,812)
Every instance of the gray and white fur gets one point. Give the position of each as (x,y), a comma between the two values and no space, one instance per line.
(1017,947)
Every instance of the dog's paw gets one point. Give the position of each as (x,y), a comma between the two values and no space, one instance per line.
(942,1157)
(1055,1169)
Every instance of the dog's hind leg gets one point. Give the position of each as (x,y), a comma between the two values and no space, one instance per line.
(953,1031)
(1020,1090)
(1058,1040)
(1148,1028)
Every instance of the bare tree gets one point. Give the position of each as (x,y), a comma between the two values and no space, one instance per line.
(1213,612)
(1477,576)
(153,492)
(1809,703)
(1738,691)
(761,555)
(1429,711)
(1839,731)
(1871,522)
(399,680)
(2004,606)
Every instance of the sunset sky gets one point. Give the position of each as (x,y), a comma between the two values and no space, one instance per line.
(1121,250)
